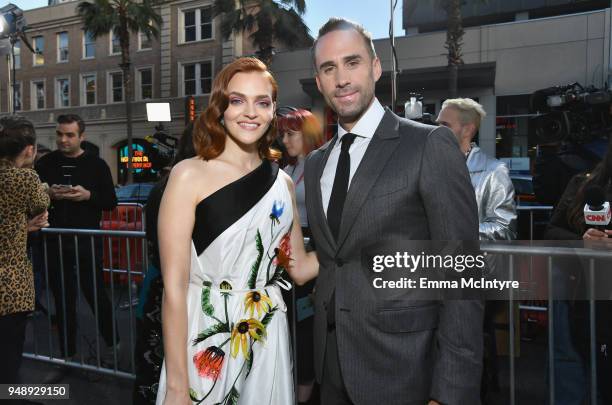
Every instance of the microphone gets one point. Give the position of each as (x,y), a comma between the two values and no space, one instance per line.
(596,210)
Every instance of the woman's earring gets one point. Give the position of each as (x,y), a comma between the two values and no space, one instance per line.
(222,122)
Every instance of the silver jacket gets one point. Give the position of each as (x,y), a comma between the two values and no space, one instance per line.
(494,195)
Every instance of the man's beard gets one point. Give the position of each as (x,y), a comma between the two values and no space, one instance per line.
(353,112)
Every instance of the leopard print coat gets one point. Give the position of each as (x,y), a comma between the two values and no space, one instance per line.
(22,196)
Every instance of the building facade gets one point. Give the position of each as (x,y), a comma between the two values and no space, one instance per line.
(73,73)
(505,62)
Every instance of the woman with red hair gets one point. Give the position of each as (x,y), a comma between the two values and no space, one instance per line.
(227,223)
(301,133)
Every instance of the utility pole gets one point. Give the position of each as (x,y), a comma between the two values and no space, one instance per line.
(610,48)
(394,62)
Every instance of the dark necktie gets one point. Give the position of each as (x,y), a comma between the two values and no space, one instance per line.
(335,207)
(340,187)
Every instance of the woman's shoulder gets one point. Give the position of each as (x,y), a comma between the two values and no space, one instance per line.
(283,176)
(189,169)
(286,178)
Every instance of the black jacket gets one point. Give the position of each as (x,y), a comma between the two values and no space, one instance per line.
(88,171)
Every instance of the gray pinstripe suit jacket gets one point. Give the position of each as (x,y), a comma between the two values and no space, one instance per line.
(412,184)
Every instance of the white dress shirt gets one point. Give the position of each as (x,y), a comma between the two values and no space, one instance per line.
(364,129)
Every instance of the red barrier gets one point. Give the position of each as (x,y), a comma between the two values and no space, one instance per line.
(123,218)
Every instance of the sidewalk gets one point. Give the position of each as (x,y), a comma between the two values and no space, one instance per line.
(85,387)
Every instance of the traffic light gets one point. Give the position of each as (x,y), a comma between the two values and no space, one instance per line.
(190,109)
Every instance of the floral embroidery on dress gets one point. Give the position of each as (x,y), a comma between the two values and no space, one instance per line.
(246,332)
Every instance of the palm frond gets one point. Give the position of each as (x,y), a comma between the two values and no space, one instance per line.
(98,17)
(268,23)
(298,5)
(289,31)
(222,7)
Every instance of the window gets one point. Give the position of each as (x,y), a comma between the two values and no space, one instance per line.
(115,84)
(62,47)
(144,42)
(197,78)
(115,46)
(62,92)
(17,99)
(145,77)
(88,89)
(38,94)
(39,47)
(89,45)
(197,24)
(17,54)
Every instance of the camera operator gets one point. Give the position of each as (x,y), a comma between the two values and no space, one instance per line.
(567,223)
(23,205)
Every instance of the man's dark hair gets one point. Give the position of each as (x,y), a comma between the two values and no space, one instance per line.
(16,133)
(70,118)
(337,24)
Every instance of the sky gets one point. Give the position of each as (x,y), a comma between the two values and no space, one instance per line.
(373,14)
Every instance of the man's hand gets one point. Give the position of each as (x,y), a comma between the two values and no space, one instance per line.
(58,191)
(77,193)
(38,222)
(433,403)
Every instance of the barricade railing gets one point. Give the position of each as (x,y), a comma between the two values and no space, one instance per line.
(532,210)
(70,242)
(511,252)
(65,254)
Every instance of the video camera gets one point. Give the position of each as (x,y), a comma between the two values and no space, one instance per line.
(164,147)
(413,110)
(570,132)
(571,113)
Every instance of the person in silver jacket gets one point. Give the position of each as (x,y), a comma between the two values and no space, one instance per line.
(489,176)
(496,212)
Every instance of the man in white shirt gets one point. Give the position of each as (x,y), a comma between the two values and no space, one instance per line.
(384,178)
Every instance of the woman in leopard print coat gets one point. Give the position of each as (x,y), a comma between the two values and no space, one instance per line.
(22,199)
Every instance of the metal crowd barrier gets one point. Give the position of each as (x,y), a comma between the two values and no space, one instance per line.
(512,251)
(130,239)
(109,240)
(532,209)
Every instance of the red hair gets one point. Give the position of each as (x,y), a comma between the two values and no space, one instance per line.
(305,122)
(208,132)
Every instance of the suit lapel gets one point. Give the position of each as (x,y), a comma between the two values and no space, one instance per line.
(326,150)
(383,144)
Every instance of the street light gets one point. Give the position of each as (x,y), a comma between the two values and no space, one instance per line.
(13,27)
(11,20)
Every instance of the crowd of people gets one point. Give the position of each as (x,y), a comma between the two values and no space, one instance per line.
(225,231)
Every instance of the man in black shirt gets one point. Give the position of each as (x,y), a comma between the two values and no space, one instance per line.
(81,187)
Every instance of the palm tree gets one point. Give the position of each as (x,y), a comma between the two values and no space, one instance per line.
(266,21)
(454,41)
(123,17)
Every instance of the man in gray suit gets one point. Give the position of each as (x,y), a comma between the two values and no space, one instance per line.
(384,178)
